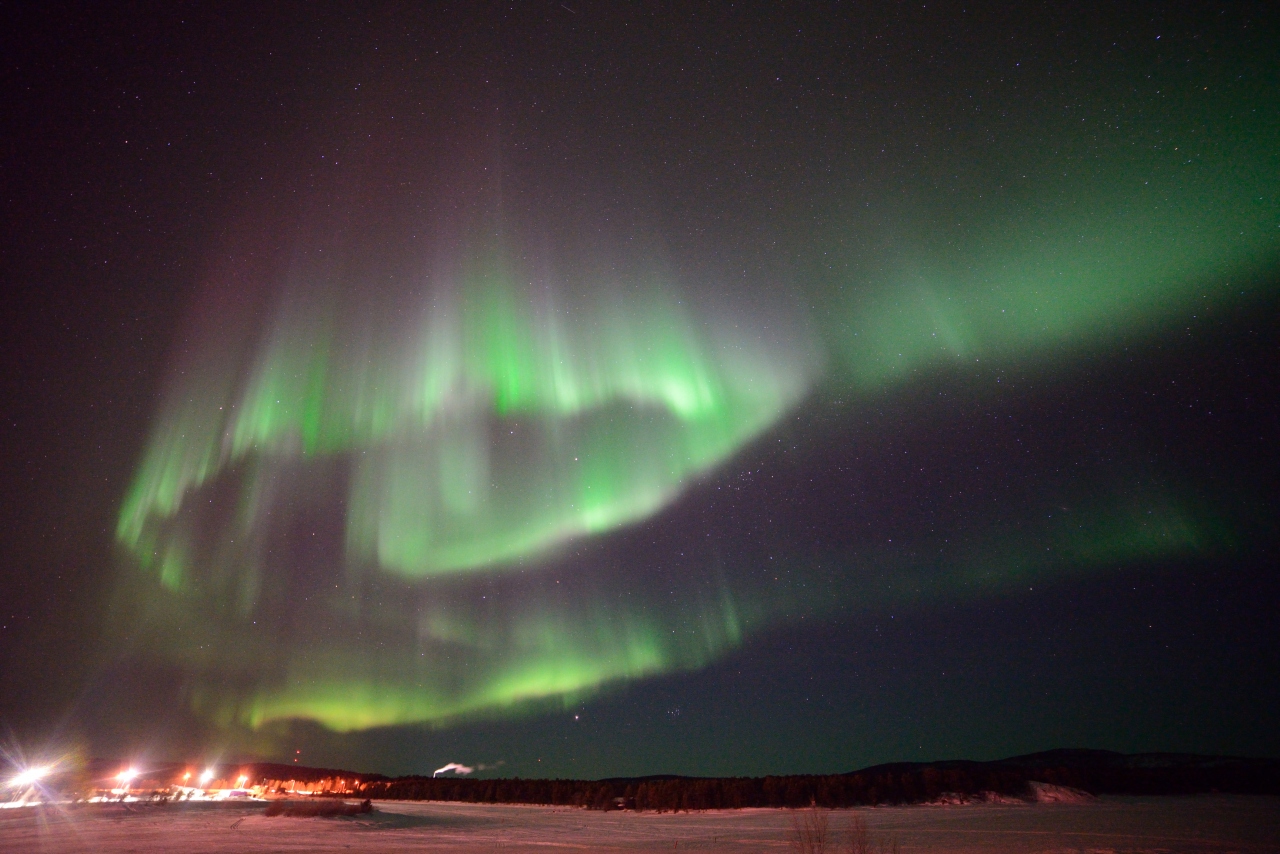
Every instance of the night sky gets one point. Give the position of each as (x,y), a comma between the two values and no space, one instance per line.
(589,389)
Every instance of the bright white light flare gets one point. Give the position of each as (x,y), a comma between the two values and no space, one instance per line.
(30,776)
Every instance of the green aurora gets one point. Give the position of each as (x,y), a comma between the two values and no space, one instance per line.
(382,651)
(495,430)
(445,455)
(1144,221)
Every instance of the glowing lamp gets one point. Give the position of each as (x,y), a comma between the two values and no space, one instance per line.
(29,776)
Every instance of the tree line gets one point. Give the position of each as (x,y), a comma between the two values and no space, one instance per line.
(889,784)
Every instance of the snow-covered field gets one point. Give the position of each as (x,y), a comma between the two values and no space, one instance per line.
(1210,823)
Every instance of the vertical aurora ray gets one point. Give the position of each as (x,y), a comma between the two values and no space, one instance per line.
(494,431)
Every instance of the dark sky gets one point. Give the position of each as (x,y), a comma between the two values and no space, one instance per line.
(591,390)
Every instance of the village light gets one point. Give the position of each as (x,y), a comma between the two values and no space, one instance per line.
(125,777)
(206,776)
(29,777)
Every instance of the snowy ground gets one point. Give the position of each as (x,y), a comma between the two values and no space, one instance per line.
(1213,823)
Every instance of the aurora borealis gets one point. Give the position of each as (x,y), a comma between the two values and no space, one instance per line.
(457,374)
(494,429)
(611,409)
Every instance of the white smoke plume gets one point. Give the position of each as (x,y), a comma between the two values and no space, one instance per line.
(455,767)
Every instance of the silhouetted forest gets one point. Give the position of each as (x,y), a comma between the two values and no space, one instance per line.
(1096,772)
